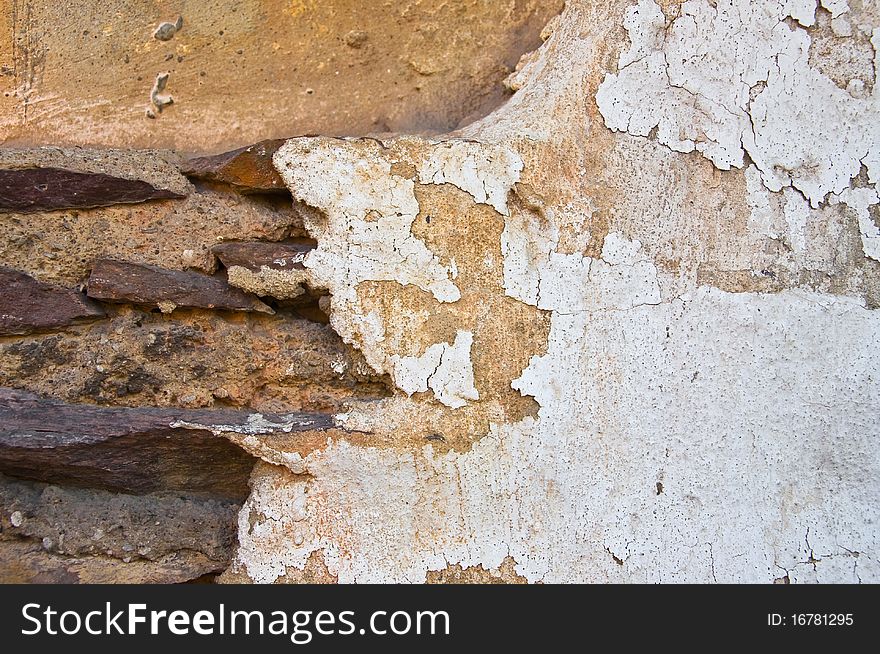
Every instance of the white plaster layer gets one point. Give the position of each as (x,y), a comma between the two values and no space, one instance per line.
(485,173)
(732,77)
(364,234)
(704,394)
(446,369)
(369,212)
(684,433)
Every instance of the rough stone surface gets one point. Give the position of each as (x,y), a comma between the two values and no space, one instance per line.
(134,449)
(620,328)
(44,189)
(249,169)
(256,255)
(267,363)
(28,305)
(155,168)
(60,246)
(51,534)
(266,269)
(123,281)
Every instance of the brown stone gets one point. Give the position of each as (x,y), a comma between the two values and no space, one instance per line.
(250,169)
(26,562)
(134,450)
(31,190)
(53,534)
(28,305)
(122,281)
(255,255)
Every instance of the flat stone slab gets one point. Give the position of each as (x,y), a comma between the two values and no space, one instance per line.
(250,168)
(135,450)
(258,254)
(53,178)
(28,305)
(32,190)
(122,281)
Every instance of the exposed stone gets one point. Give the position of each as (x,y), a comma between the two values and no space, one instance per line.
(79,535)
(177,234)
(154,169)
(266,70)
(255,255)
(28,305)
(137,450)
(250,168)
(46,189)
(120,281)
(27,562)
(266,269)
(193,359)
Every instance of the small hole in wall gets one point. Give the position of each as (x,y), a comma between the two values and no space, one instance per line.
(659,488)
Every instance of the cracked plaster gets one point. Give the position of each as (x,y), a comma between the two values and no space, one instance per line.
(682,432)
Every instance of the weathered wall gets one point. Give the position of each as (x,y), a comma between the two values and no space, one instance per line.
(688,198)
(622,328)
(83,73)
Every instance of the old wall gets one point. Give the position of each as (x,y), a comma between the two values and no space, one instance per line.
(621,328)
(84,73)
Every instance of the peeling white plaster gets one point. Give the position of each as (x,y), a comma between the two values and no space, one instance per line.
(789,234)
(736,78)
(797,214)
(860,200)
(446,369)
(369,212)
(804,11)
(572,283)
(683,433)
(526,246)
(487,173)
(365,233)
(711,393)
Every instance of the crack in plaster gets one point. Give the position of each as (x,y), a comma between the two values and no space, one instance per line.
(729,398)
(690,80)
(446,369)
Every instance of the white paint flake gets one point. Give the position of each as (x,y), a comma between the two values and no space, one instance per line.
(734,78)
(804,11)
(256,424)
(365,233)
(487,173)
(369,212)
(570,283)
(445,369)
